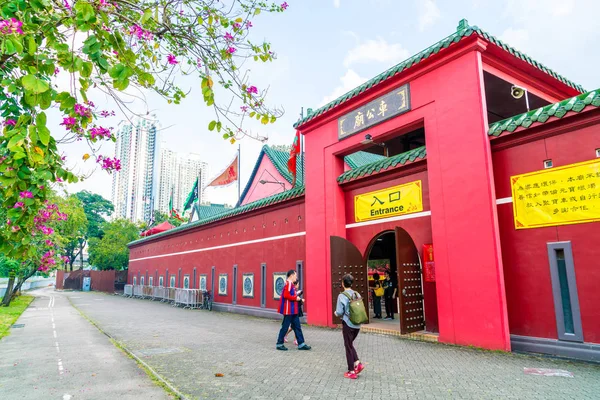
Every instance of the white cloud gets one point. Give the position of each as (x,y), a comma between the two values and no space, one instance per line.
(525,10)
(349,81)
(429,13)
(376,50)
(336,3)
(517,38)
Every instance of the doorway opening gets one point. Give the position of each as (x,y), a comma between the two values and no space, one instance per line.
(401,305)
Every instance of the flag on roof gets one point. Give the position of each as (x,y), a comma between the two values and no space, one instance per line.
(192,196)
(293,155)
(228,176)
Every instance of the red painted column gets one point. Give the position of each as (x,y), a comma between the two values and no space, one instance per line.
(470,281)
(325,217)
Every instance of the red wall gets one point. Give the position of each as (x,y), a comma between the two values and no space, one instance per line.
(447,99)
(279,255)
(526,265)
(418,228)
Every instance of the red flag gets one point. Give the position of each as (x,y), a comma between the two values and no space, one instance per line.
(228,176)
(293,155)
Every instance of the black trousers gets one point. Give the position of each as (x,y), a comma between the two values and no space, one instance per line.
(389,307)
(349,335)
(377,306)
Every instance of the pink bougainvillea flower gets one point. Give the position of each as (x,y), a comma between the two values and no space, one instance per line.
(237,26)
(108,163)
(10,122)
(10,26)
(172,60)
(59,180)
(252,90)
(100,132)
(67,5)
(106,114)
(26,195)
(284,5)
(56,71)
(19,204)
(49,242)
(228,37)
(140,33)
(231,50)
(46,230)
(248,24)
(83,111)
(69,122)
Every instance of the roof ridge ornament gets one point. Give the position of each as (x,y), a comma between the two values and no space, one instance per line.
(463,24)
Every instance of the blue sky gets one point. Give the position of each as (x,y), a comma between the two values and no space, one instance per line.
(327,47)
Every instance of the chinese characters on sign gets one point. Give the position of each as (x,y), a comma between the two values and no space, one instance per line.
(397,200)
(561,196)
(394,103)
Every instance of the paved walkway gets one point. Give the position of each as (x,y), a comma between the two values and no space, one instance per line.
(189,347)
(58,354)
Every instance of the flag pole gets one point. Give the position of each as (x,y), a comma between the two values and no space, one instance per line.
(239,173)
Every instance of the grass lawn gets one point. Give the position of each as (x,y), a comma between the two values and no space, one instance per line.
(10,314)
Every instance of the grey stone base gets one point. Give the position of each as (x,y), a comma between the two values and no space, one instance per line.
(580,351)
(253,311)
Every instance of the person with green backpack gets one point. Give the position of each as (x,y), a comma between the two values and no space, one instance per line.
(351,309)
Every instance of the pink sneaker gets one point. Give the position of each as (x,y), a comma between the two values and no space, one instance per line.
(359,368)
(350,375)
(296,342)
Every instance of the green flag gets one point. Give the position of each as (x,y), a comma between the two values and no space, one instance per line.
(193,196)
(171,204)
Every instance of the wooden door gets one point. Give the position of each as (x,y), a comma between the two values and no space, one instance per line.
(410,289)
(347,259)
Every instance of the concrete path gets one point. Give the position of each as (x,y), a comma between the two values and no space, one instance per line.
(58,354)
(189,347)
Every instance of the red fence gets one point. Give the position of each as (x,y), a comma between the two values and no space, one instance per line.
(103,281)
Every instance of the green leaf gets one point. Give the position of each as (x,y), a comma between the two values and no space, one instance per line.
(32,45)
(46,100)
(147,15)
(84,11)
(219,126)
(40,119)
(211,126)
(86,69)
(44,134)
(34,85)
(252,114)
(264,120)
(257,11)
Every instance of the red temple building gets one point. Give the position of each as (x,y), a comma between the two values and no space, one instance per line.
(472,170)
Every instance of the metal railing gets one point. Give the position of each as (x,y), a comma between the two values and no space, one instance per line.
(186,298)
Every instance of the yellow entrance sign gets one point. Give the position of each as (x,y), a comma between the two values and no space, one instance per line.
(397,200)
(557,196)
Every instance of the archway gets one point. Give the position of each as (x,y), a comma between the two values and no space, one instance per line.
(395,251)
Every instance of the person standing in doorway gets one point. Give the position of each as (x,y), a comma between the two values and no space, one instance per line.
(377,295)
(349,330)
(289,308)
(390,288)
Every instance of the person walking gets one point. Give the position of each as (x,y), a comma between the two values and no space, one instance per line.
(378,293)
(390,288)
(300,314)
(349,330)
(289,308)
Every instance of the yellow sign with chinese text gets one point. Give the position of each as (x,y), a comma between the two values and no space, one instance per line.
(557,196)
(390,202)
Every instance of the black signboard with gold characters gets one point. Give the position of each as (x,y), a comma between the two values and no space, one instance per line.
(387,106)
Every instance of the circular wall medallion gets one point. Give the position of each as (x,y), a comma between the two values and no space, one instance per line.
(279,284)
(248,285)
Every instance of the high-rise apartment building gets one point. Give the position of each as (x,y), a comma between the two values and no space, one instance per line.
(135,186)
(177,175)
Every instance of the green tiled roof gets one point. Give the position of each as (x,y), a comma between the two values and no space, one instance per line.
(383,164)
(464,30)
(558,110)
(267,201)
(361,158)
(210,210)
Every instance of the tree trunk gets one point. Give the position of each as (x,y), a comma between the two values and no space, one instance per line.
(8,295)
(81,255)
(21,282)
